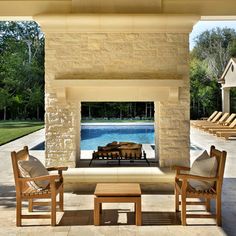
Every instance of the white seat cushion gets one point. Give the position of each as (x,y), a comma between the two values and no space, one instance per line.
(34,168)
(205,166)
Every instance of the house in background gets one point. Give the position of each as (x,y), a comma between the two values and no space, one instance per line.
(228,81)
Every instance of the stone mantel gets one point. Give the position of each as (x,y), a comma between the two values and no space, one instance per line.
(117,89)
(145,23)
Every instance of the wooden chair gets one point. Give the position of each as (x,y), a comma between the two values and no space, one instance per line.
(183,189)
(22,190)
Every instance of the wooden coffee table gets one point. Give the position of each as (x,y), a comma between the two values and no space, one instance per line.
(117,192)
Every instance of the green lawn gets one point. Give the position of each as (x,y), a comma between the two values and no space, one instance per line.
(10,130)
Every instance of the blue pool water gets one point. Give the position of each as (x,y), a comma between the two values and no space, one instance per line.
(93,136)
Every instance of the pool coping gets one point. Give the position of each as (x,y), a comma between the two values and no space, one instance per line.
(119,124)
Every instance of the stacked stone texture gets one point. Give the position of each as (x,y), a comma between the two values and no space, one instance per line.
(159,55)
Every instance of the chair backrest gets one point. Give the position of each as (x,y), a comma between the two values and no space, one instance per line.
(230,118)
(233,124)
(21,155)
(217,117)
(223,118)
(212,115)
(221,158)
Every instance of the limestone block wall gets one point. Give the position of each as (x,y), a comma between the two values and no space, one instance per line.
(173,131)
(61,132)
(155,55)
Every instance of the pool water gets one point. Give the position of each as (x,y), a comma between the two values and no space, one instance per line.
(93,136)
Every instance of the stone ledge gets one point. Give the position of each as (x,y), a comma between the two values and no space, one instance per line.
(174,23)
(75,177)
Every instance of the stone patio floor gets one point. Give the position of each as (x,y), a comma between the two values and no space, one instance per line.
(158,216)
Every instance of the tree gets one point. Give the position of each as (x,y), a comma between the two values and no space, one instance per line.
(22,67)
(215,47)
(36,99)
(5,101)
(209,57)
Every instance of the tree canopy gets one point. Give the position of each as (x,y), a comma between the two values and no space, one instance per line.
(209,58)
(21,70)
(22,75)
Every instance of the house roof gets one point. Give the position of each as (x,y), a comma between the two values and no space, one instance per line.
(231,62)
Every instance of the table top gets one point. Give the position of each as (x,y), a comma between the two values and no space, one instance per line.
(117,189)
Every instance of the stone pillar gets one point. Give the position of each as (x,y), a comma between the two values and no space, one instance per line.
(225,99)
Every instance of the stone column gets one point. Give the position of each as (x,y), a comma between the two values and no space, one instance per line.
(225,99)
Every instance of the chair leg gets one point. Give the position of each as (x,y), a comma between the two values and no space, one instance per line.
(18,211)
(30,206)
(61,199)
(176,200)
(218,211)
(208,204)
(183,212)
(53,209)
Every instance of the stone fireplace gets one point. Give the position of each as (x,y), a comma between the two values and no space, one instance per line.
(116,58)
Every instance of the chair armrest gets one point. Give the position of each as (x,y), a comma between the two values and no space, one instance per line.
(57,168)
(44,177)
(196,177)
(180,168)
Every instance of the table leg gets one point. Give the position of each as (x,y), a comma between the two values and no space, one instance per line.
(100,208)
(138,213)
(97,212)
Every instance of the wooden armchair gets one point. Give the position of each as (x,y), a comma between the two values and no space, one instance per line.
(183,188)
(25,192)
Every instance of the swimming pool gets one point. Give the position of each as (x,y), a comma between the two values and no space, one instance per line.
(93,136)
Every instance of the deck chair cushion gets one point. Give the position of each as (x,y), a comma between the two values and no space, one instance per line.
(205,166)
(34,168)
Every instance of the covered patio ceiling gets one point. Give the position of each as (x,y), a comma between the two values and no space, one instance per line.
(207,9)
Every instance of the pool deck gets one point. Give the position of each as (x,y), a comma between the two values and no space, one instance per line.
(158,217)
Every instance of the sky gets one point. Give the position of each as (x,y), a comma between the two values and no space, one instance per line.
(208,25)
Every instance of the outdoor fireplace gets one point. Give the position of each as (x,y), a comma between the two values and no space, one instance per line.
(132,58)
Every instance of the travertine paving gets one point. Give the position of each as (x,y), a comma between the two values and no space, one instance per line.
(158,216)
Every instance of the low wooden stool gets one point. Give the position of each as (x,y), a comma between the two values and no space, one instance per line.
(117,192)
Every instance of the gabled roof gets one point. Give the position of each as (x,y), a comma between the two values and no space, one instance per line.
(231,62)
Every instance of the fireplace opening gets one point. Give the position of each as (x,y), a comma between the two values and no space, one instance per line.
(114,126)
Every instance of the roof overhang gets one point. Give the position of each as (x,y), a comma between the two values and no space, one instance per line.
(231,62)
(207,9)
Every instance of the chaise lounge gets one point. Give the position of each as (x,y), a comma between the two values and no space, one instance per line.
(226,134)
(221,121)
(231,127)
(214,120)
(219,124)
